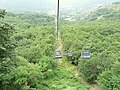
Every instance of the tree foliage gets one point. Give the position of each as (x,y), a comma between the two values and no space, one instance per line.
(7,55)
(102,38)
(2,13)
(110,80)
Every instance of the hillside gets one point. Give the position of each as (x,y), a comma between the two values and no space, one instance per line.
(26,55)
(110,11)
(83,55)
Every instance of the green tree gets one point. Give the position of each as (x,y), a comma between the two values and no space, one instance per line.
(7,56)
(2,13)
(110,80)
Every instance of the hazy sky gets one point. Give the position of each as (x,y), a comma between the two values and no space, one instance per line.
(49,4)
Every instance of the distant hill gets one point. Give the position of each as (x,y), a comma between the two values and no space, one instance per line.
(116,3)
(110,11)
(47,5)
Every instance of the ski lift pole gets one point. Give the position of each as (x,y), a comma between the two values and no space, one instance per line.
(57,25)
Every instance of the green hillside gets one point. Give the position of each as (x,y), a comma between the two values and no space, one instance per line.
(27,44)
(28,47)
(110,11)
(99,37)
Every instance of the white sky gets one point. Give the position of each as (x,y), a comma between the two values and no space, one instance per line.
(49,4)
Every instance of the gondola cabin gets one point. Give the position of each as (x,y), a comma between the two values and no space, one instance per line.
(57,55)
(70,56)
(85,55)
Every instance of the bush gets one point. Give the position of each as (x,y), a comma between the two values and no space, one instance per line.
(91,68)
(32,76)
(110,80)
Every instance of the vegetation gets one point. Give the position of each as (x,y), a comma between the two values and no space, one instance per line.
(110,79)
(101,36)
(7,55)
(2,13)
(27,50)
(28,19)
(17,70)
(110,12)
(27,47)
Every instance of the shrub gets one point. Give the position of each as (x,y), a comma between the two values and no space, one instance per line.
(110,80)
(91,68)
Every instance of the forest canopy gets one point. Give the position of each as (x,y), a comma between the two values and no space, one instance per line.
(28,45)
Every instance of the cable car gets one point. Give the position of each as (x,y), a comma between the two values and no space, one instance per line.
(57,56)
(57,53)
(85,55)
(70,56)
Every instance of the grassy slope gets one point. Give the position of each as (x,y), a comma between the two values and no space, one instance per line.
(65,78)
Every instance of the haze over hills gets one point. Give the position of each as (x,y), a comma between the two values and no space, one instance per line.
(48,5)
(109,11)
(82,52)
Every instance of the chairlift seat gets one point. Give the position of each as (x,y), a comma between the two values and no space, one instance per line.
(57,57)
(70,54)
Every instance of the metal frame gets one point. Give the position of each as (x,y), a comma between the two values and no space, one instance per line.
(57,25)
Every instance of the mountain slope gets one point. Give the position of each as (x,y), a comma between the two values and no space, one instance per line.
(110,11)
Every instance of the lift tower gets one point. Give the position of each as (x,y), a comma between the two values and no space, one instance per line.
(57,23)
(57,50)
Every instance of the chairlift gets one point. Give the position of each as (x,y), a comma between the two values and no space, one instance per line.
(57,57)
(87,47)
(67,54)
(85,55)
(70,56)
(57,54)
